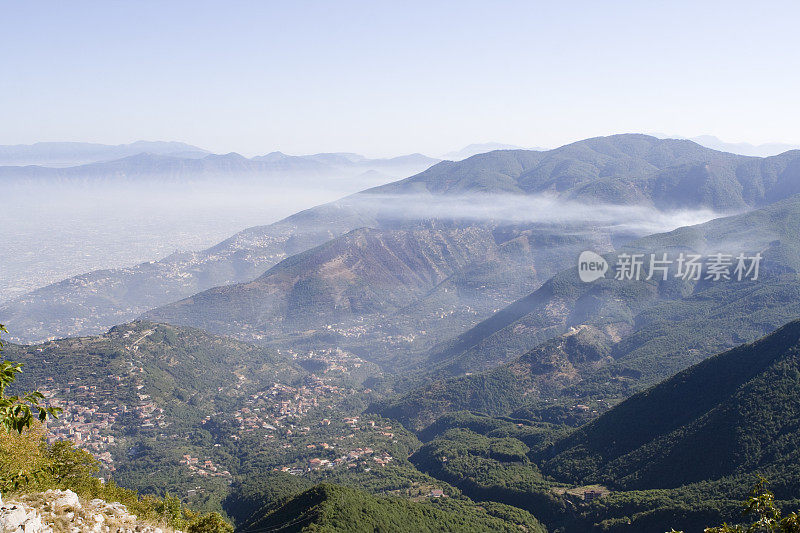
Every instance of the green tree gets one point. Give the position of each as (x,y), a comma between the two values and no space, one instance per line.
(171,509)
(17,412)
(69,464)
(210,523)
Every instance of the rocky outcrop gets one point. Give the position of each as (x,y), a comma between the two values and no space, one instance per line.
(56,511)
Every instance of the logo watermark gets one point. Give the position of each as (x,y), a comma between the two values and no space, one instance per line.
(591,266)
(689,267)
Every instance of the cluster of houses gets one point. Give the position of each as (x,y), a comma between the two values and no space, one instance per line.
(205,467)
(352,332)
(363,456)
(90,412)
(87,420)
(352,459)
(273,408)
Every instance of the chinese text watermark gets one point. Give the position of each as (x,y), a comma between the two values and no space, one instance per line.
(660,267)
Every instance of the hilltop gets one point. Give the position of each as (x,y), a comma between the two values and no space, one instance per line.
(341,509)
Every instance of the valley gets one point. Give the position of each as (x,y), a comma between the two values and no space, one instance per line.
(448,366)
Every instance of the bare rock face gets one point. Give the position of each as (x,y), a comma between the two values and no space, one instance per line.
(57,511)
(17,517)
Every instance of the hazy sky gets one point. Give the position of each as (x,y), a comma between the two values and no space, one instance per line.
(383,77)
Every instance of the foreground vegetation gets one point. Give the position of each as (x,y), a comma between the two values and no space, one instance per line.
(29,464)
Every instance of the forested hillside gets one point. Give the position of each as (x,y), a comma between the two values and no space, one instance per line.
(733,414)
(335,508)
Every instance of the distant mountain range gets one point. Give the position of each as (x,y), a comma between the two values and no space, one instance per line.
(753,150)
(62,154)
(65,154)
(480,148)
(178,168)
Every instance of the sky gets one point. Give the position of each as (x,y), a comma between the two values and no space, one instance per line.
(384,78)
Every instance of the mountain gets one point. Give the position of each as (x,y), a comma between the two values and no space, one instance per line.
(544,193)
(760,150)
(676,455)
(572,343)
(495,460)
(138,397)
(334,508)
(620,169)
(733,414)
(62,154)
(364,272)
(370,289)
(323,288)
(480,148)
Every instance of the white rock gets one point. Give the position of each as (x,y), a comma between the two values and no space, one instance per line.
(18,518)
(63,509)
(34,524)
(65,499)
(13,517)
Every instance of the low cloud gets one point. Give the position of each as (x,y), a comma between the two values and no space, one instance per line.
(521,209)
